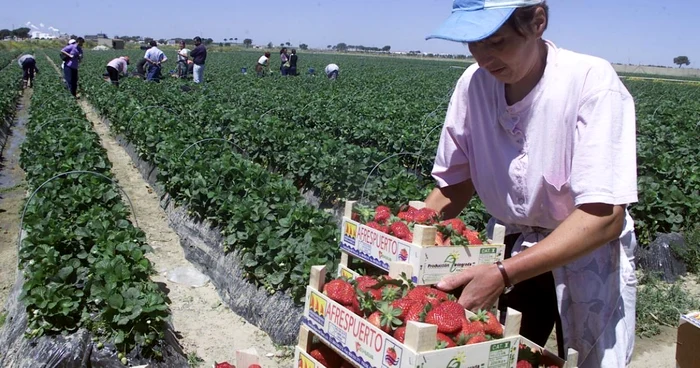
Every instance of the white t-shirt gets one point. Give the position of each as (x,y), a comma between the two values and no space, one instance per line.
(330,68)
(263,60)
(183,54)
(570,141)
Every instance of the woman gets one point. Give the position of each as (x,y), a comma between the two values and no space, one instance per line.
(73,54)
(263,63)
(116,67)
(183,56)
(284,66)
(546,137)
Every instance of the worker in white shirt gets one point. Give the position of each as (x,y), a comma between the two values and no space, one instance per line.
(263,63)
(155,58)
(28,64)
(183,56)
(116,67)
(332,71)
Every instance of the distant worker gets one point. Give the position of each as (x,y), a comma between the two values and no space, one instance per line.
(73,54)
(293,63)
(284,58)
(332,71)
(141,69)
(155,58)
(183,55)
(263,63)
(117,68)
(199,57)
(28,64)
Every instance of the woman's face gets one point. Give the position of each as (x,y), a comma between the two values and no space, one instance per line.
(506,54)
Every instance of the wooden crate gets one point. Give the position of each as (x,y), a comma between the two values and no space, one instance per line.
(364,345)
(421,260)
(550,358)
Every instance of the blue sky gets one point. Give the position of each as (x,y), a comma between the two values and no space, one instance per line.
(625,31)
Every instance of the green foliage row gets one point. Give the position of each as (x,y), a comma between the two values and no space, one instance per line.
(84,261)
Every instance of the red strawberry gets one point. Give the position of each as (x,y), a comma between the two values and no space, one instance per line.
(223,365)
(456,224)
(523,364)
(400,334)
(400,230)
(426,294)
(417,312)
(475,339)
(326,356)
(355,307)
(448,316)
(374,225)
(403,304)
(340,290)
(425,216)
(254,366)
(444,342)
(472,236)
(382,214)
(469,329)
(490,323)
(385,318)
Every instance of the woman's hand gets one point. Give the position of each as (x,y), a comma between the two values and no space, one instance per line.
(483,284)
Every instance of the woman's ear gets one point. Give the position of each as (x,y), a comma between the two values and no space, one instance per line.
(539,21)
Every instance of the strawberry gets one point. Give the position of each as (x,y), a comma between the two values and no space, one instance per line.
(400,334)
(374,225)
(475,339)
(391,354)
(426,294)
(472,236)
(340,290)
(400,230)
(382,214)
(404,304)
(425,216)
(386,318)
(417,312)
(456,224)
(490,323)
(223,365)
(254,366)
(447,316)
(326,356)
(523,364)
(469,329)
(444,342)
(355,307)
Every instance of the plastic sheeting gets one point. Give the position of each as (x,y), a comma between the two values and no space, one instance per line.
(75,350)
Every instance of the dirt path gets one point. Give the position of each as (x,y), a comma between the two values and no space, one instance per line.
(206,326)
(12,194)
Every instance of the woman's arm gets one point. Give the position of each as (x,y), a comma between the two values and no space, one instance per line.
(451,200)
(586,229)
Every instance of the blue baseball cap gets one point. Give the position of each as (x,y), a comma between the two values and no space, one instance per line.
(475,20)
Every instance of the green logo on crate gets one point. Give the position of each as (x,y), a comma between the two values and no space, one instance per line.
(500,346)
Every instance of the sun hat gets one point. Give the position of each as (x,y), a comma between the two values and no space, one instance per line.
(71,41)
(475,20)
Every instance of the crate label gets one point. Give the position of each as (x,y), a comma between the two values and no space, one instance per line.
(499,356)
(373,246)
(693,318)
(442,261)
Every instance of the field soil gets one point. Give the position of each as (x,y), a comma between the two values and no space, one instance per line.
(205,326)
